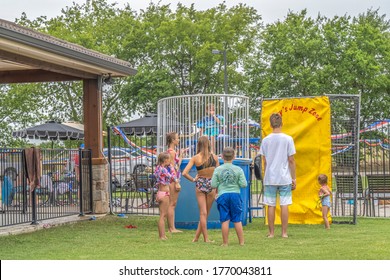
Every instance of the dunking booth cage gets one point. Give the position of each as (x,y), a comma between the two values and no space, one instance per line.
(188,115)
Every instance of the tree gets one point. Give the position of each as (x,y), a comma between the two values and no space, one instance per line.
(306,57)
(173,51)
(366,62)
(94,25)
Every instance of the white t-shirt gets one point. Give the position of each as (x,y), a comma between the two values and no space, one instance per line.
(276,148)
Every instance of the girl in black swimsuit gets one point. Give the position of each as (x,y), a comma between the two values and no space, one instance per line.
(204,184)
(205,162)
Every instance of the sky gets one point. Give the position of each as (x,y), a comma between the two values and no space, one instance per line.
(270,10)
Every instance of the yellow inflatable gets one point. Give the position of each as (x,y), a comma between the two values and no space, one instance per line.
(307,120)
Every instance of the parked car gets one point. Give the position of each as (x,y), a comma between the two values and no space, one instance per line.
(126,161)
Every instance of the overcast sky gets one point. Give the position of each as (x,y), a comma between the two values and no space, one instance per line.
(270,10)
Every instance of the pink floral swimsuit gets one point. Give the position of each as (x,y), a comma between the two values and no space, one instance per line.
(175,170)
(163,177)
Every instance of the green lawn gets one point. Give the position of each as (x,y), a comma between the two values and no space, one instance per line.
(108,239)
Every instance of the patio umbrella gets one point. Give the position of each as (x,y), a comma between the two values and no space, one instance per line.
(148,126)
(78,126)
(50,130)
(143,126)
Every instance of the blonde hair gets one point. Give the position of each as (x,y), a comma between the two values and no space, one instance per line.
(204,149)
(163,157)
(210,106)
(170,137)
(322,179)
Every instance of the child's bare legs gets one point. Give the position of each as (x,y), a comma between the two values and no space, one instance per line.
(205,202)
(174,194)
(325,210)
(163,207)
(240,233)
(225,233)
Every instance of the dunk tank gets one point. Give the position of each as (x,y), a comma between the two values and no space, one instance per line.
(188,116)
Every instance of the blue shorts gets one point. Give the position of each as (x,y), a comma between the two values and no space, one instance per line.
(211,131)
(270,193)
(326,201)
(230,207)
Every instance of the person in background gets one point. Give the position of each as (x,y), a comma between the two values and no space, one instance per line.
(163,181)
(228,179)
(174,188)
(210,125)
(277,150)
(324,194)
(74,187)
(205,162)
(76,160)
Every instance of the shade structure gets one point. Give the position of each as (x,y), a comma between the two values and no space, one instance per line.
(76,125)
(50,130)
(79,126)
(142,126)
(147,125)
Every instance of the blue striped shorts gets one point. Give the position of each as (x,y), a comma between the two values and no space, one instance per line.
(271,192)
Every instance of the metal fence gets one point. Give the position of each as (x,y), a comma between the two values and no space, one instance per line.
(223,118)
(65,186)
(132,160)
(360,165)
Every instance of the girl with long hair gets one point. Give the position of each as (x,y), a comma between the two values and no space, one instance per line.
(205,162)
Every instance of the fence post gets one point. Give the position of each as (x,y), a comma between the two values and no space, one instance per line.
(109,168)
(34,207)
(80,190)
(90,181)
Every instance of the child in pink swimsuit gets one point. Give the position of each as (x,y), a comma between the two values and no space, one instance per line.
(172,143)
(163,180)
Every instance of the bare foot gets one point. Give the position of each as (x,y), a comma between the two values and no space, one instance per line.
(195,240)
(209,241)
(163,238)
(284,236)
(242,244)
(270,235)
(224,245)
(175,231)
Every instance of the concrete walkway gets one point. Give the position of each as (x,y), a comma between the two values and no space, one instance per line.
(28,227)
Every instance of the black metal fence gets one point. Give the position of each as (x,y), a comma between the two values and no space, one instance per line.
(369,194)
(132,160)
(133,185)
(65,186)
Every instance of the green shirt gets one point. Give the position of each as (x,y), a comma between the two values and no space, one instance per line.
(228,178)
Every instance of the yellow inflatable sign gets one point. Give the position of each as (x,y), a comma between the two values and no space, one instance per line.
(307,120)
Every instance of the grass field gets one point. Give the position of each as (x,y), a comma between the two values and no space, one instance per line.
(108,238)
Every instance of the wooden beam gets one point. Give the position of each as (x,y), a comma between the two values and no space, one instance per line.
(33,76)
(46,65)
(93,132)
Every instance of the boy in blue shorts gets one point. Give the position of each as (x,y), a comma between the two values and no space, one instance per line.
(228,179)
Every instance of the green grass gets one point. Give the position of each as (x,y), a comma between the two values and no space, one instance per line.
(108,239)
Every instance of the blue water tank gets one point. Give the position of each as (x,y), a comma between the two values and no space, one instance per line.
(187,211)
